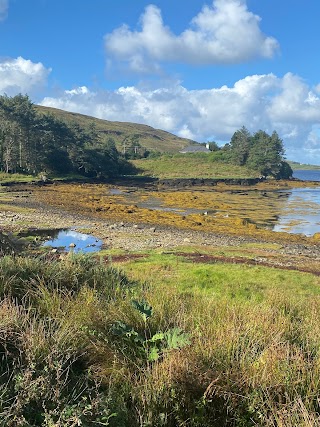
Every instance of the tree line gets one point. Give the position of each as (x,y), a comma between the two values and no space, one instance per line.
(33,143)
(261,152)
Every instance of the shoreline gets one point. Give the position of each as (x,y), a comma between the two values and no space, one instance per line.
(25,212)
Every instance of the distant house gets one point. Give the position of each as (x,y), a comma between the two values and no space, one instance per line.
(195,149)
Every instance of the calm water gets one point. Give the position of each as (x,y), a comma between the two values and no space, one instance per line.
(84,242)
(301,214)
(310,175)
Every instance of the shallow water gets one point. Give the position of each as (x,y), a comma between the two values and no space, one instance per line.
(301,214)
(295,211)
(84,242)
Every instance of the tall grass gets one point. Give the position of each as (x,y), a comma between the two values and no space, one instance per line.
(251,362)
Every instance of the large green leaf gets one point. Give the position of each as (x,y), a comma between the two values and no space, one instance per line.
(143,307)
(153,354)
(159,336)
(176,338)
(123,330)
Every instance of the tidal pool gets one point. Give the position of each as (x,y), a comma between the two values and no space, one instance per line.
(83,242)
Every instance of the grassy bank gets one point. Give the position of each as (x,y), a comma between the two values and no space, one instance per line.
(221,346)
(199,165)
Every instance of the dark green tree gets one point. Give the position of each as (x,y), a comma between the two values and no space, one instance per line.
(240,145)
(31,142)
(266,154)
(18,117)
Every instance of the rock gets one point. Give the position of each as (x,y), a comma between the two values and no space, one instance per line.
(153,229)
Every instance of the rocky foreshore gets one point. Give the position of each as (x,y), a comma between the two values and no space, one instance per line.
(28,213)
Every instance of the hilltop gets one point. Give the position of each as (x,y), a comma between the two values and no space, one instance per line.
(150,138)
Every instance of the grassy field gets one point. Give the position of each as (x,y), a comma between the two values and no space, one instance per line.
(15,177)
(164,343)
(191,166)
(302,166)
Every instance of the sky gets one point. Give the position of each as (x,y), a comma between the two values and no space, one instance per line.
(199,69)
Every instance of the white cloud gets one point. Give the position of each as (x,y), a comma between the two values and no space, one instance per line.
(265,102)
(21,76)
(224,33)
(4,5)
(78,91)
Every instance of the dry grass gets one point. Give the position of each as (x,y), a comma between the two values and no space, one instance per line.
(253,361)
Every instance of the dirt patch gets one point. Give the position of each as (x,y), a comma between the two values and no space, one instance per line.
(126,257)
(211,259)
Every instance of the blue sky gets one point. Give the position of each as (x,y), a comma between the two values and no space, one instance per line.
(197,69)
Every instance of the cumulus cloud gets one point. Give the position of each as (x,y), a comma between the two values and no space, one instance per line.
(4,5)
(265,102)
(224,33)
(21,75)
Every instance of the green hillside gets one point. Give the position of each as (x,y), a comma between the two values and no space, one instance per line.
(302,166)
(147,136)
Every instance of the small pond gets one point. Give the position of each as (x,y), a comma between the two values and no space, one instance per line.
(64,238)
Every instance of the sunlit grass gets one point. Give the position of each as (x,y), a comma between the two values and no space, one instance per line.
(253,360)
(15,177)
(221,280)
(191,166)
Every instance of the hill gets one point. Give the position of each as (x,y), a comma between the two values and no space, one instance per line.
(147,136)
(303,166)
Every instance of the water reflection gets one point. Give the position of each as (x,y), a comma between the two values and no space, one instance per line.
(83,242)
(301,213)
